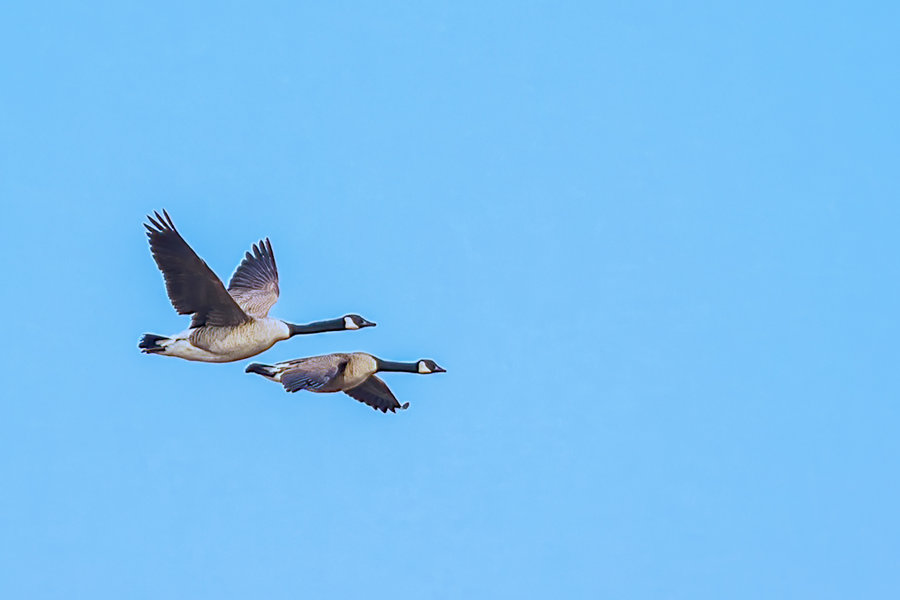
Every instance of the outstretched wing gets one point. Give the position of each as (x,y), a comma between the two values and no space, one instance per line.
(315,374)
(374,392)
(192,286)
(254,284)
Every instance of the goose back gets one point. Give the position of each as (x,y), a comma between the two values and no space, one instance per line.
(328,373)
(241,341)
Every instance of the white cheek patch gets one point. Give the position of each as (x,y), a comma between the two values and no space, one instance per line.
(349,324)
(423,368)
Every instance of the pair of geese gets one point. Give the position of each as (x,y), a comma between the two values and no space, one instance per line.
(233,324)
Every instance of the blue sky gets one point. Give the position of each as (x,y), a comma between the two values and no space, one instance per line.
(654,244)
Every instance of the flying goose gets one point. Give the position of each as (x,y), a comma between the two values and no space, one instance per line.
(353,374)
(226,325)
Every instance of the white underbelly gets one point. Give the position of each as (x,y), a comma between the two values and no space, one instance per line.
(184,349)
(223,345)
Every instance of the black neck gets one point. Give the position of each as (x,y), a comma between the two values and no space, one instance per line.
(387,365)
(317,327)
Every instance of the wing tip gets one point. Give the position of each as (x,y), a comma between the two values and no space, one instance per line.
(162,223)
(263,249)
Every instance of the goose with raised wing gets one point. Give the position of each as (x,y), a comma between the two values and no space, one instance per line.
(226,324)
(351,373)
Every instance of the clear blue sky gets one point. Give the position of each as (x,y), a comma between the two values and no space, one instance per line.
(654,244)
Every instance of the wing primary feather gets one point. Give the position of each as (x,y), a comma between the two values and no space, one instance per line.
(254,284)
(192,286)
(375,393)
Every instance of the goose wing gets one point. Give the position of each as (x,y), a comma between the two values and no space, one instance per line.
(192,286)
(375,392)
(316,374)
(254,284)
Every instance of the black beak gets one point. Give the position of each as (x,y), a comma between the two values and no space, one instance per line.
(438,369)
(366,324)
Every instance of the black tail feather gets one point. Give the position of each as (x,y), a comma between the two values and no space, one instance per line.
(149,343)
(259,369)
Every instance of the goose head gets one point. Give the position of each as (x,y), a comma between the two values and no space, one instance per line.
(356,322)
(427,366)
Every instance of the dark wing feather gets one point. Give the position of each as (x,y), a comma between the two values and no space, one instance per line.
(192,286)
(254,284)
(313,377)
(374,392)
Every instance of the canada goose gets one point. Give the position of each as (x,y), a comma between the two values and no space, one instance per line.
(353,374)
(226,325)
